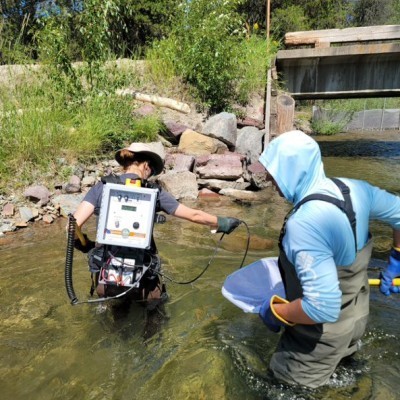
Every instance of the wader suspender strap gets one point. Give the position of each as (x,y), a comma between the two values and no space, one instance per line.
(346,206)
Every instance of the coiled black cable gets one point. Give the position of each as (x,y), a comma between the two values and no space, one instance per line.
(68,269)
(69,259)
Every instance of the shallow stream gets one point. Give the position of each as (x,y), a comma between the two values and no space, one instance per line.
(198,346)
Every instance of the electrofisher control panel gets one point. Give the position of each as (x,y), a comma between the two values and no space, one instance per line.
(126,216)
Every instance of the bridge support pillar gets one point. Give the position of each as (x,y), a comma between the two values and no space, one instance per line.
(284,113)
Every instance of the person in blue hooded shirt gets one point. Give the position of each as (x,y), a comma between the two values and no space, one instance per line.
(325,249)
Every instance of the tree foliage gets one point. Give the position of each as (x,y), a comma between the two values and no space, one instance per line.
(254,13)
(298,15)
(290,19)
(135,24)
(376,12)
(139,22)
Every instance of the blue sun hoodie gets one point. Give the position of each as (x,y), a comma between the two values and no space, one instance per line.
(319,238)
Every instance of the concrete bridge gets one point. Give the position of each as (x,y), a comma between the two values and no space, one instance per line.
(341,63)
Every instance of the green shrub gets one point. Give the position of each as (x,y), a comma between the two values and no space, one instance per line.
(203,49)
(336,115)
(327,127)
(209,51)
(253,64)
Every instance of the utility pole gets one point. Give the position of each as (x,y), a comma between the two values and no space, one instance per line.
(267,111)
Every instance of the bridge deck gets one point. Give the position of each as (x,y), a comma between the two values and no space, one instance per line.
(351,70)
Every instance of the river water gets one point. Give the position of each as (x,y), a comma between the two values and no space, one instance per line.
(198,346)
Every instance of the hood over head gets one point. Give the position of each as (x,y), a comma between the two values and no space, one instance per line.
(293,159)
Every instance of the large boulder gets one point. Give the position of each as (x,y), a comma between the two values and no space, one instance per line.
(220,166)
(218,184)
(258,175)
(246,195)
(173,131)
(249,143)
(182,184)
(38,193)
(67,203)
(223,127)
(194,143)
(179,162)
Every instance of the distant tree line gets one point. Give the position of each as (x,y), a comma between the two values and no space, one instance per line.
(134,24)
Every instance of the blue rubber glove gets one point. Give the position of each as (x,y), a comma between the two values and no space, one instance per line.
(270,317)
(227,224)
(392,271)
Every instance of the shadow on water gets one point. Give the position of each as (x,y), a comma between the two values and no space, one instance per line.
(198,345)
(360,148)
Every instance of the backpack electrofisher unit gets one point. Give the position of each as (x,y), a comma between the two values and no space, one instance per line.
(125,257)
(126,216)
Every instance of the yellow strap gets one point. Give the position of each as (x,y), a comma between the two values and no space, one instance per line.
(397,248)
(279,300)
(80,236)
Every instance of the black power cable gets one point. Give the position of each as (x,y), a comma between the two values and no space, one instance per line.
(211,259)
(69,259)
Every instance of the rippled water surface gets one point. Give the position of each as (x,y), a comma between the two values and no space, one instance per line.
(199,346)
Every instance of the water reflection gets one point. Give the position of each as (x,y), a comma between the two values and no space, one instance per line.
(200,346)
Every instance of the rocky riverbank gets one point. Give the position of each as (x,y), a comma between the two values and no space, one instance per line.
(204,158)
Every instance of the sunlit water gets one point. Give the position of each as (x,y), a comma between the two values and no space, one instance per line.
(199,346)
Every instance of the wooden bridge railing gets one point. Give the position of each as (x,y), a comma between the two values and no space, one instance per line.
(324,38)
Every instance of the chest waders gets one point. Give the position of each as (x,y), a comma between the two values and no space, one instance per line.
(118,269)
(309,354)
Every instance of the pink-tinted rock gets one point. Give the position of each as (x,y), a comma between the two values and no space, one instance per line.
(208,194)
(38,193)
(179,162)
(48,219)
(220,166)
(256,168)
(8,210)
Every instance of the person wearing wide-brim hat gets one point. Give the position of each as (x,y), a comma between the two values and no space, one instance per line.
(140,161)
(136,152)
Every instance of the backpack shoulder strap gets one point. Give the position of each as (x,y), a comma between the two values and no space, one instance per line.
(345,205)
(111,179)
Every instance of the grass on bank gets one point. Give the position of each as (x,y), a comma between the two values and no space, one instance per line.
(40,126)
(338,113)
(53,116)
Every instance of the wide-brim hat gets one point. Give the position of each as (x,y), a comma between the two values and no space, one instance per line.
(154,151)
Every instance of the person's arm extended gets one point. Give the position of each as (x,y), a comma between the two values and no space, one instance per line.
(83,213)
(197,216)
